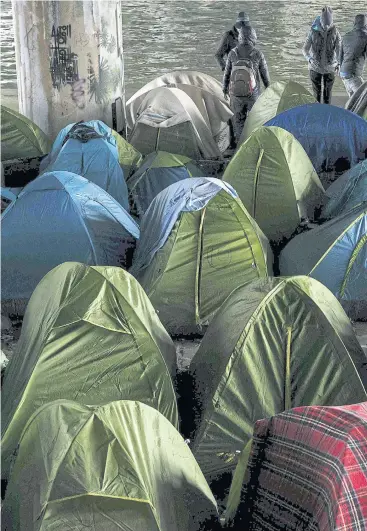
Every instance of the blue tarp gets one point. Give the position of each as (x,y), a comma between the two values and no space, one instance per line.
(96,160)
(60,217)
(157,223)
(347,191)
(333,138)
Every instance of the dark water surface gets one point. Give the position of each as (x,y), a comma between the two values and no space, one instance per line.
(165,35)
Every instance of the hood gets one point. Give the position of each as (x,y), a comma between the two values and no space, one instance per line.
(316,26)
(247,36)
(360,22)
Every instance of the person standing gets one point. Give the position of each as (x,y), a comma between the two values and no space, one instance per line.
(230,39)
(322,51)
(353,55)
(245,67)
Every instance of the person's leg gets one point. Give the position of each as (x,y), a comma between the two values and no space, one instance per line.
(328,86)
(316,84)
(352,84)
(239,108)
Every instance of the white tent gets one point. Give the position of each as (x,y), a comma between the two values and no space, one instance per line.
(205,91)
(168,120)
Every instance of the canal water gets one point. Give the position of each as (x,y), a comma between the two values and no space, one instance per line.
(165,35)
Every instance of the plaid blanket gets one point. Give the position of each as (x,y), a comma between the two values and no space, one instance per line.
(307,470)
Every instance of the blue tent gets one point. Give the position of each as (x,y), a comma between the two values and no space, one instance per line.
(95,159)
(335,254)
(347,191)
(332,137)
(60,217)
(159,170)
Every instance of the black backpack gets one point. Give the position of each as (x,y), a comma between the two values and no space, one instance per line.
(243,78)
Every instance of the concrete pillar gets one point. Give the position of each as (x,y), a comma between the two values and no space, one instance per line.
(69,61)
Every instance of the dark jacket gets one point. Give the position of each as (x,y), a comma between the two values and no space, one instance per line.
(228,42)
(247,51)
(354,52)
(322,48)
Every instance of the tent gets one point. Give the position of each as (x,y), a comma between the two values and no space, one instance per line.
(347,192)
(205,91)
(307,470)
(159,170)
(276,181)
(275,344)
(358,102)
(90,334)
(128,157)
(95,159)
(333,138)
(119,466)
(21,138)
(334,253)
(277,98)
(198,243)
(168,120)
(59,217)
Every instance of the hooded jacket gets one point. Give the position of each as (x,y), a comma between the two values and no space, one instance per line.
(322,48)
(247,50)
(228,42)
(354,49)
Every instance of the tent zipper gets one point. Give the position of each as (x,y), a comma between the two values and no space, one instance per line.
(198,268)
(287,382)
(256,179)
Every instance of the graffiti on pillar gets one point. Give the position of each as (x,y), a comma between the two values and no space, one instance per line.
(104,38)
(63,62)
(102,82)
(78,93)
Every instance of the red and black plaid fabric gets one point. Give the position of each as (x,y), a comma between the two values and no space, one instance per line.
(308,470)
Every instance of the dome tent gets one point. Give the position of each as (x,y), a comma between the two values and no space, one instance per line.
(128,157)
(205,91)
(276,181)
(59,217)
(21,138)
(89,149)
(277,98)
(334,253)
(347,192)
(116,466)
(159,170)
(274,344)
(333,138)
(168,120)
(92,333)
(198,232)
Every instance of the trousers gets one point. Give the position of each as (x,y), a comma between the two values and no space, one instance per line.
(317,80)
(240,108)
(352,84)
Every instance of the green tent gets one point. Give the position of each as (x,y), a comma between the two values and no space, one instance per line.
(89,334)
(159,170)
(21,138)
(275,344)
(120,466)
(209,251)
(276,181)
(278,97)
(129,157)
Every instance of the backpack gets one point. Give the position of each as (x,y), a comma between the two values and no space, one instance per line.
(243,78)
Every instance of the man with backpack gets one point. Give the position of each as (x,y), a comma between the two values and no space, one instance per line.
(230,39)
(353,55)
(245,67)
